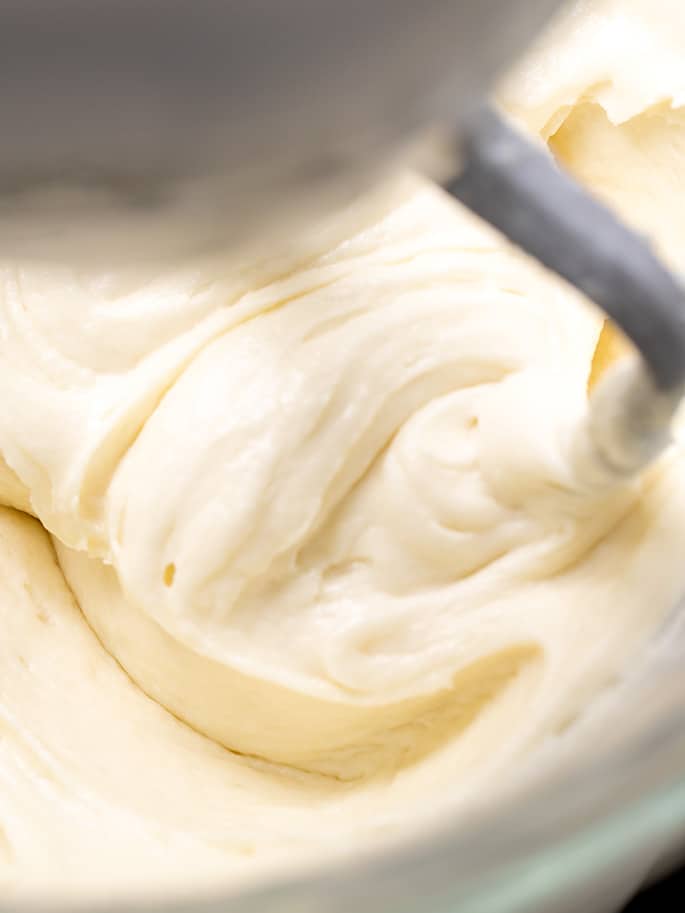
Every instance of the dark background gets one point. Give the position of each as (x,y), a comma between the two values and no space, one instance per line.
(666,895)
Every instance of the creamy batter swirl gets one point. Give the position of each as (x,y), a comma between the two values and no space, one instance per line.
(325,547)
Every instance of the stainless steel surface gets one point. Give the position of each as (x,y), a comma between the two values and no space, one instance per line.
(223,115)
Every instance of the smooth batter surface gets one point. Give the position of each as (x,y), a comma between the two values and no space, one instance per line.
(319,510)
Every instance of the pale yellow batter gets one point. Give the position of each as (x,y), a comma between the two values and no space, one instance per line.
(320,510)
